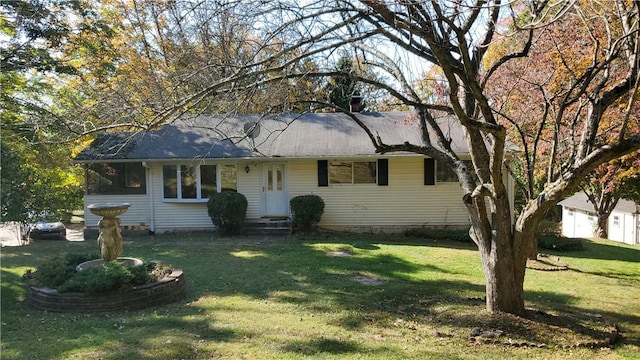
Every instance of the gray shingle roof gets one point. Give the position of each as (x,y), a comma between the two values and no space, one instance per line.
(283,135)
(580,201)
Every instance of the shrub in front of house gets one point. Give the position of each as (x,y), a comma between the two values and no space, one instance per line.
(227,210)
(559,243)
(307,211)
(439,234)
(546,241)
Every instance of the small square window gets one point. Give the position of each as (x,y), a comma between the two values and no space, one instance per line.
(616,220)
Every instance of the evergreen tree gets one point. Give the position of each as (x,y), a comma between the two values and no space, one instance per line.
(342,87)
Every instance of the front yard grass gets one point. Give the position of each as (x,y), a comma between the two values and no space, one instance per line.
(334,297)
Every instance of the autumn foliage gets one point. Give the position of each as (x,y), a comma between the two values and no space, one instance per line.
(551,101)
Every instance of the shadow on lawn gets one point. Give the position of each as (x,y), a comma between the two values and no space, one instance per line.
(259,271)
(302,272)
(605,250)
(323,345)
(632,279)
(161,334)
(298,268)
(600,249)
(11,290)
(590,322)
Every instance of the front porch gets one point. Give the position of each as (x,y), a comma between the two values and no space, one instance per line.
(269,226)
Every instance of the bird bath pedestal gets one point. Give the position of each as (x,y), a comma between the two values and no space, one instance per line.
(110,239)
(160,291)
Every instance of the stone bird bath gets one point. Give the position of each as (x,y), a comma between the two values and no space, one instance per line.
(110,238)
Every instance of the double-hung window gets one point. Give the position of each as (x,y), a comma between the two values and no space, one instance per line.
(352,172)
(445,174)
(196,182)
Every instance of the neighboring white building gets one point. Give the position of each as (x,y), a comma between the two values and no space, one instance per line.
(167,174)
(579,219)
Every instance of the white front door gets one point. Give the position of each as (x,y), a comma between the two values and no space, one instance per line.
(274,193)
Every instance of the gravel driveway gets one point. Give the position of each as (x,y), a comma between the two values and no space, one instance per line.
(9,235)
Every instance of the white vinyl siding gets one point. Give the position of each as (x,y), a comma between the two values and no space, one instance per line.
(250,185)
(623,227)
(404,202)
(193,216)
(176,215)
(577,223)
(137,215)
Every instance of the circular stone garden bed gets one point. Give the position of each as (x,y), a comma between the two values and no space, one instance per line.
(168,289)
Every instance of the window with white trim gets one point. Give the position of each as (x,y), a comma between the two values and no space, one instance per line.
(197,182)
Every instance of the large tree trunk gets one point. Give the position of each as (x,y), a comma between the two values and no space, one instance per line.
(601,226)
(504,271)
(503,254)
(504,264)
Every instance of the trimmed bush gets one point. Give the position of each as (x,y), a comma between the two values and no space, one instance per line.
(227,210)
(545,241)
(559,243)
(440,234)
(307,211)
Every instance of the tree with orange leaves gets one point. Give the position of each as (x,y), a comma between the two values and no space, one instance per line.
(562,79)
(609,183)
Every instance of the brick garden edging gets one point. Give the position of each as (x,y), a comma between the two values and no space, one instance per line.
(169,289)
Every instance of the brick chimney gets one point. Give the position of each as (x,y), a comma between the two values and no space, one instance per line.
(355,103)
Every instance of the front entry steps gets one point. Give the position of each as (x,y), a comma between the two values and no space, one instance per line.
(269,226)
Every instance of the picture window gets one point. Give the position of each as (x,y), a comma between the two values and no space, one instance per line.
(198,182)
(116,178)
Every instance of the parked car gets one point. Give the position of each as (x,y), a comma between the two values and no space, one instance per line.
(47,226)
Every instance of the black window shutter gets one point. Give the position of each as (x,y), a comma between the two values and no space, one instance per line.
(323,173)
(429,172)
(383,172)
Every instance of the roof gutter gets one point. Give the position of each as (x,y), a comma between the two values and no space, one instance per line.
(257,158)
(98,161)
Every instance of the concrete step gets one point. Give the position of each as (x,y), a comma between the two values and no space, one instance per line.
(275,226)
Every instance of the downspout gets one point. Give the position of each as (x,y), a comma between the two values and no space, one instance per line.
(511,193)
(637,224)
(152,217)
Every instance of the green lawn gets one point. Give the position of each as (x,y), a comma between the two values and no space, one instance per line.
(298,298)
